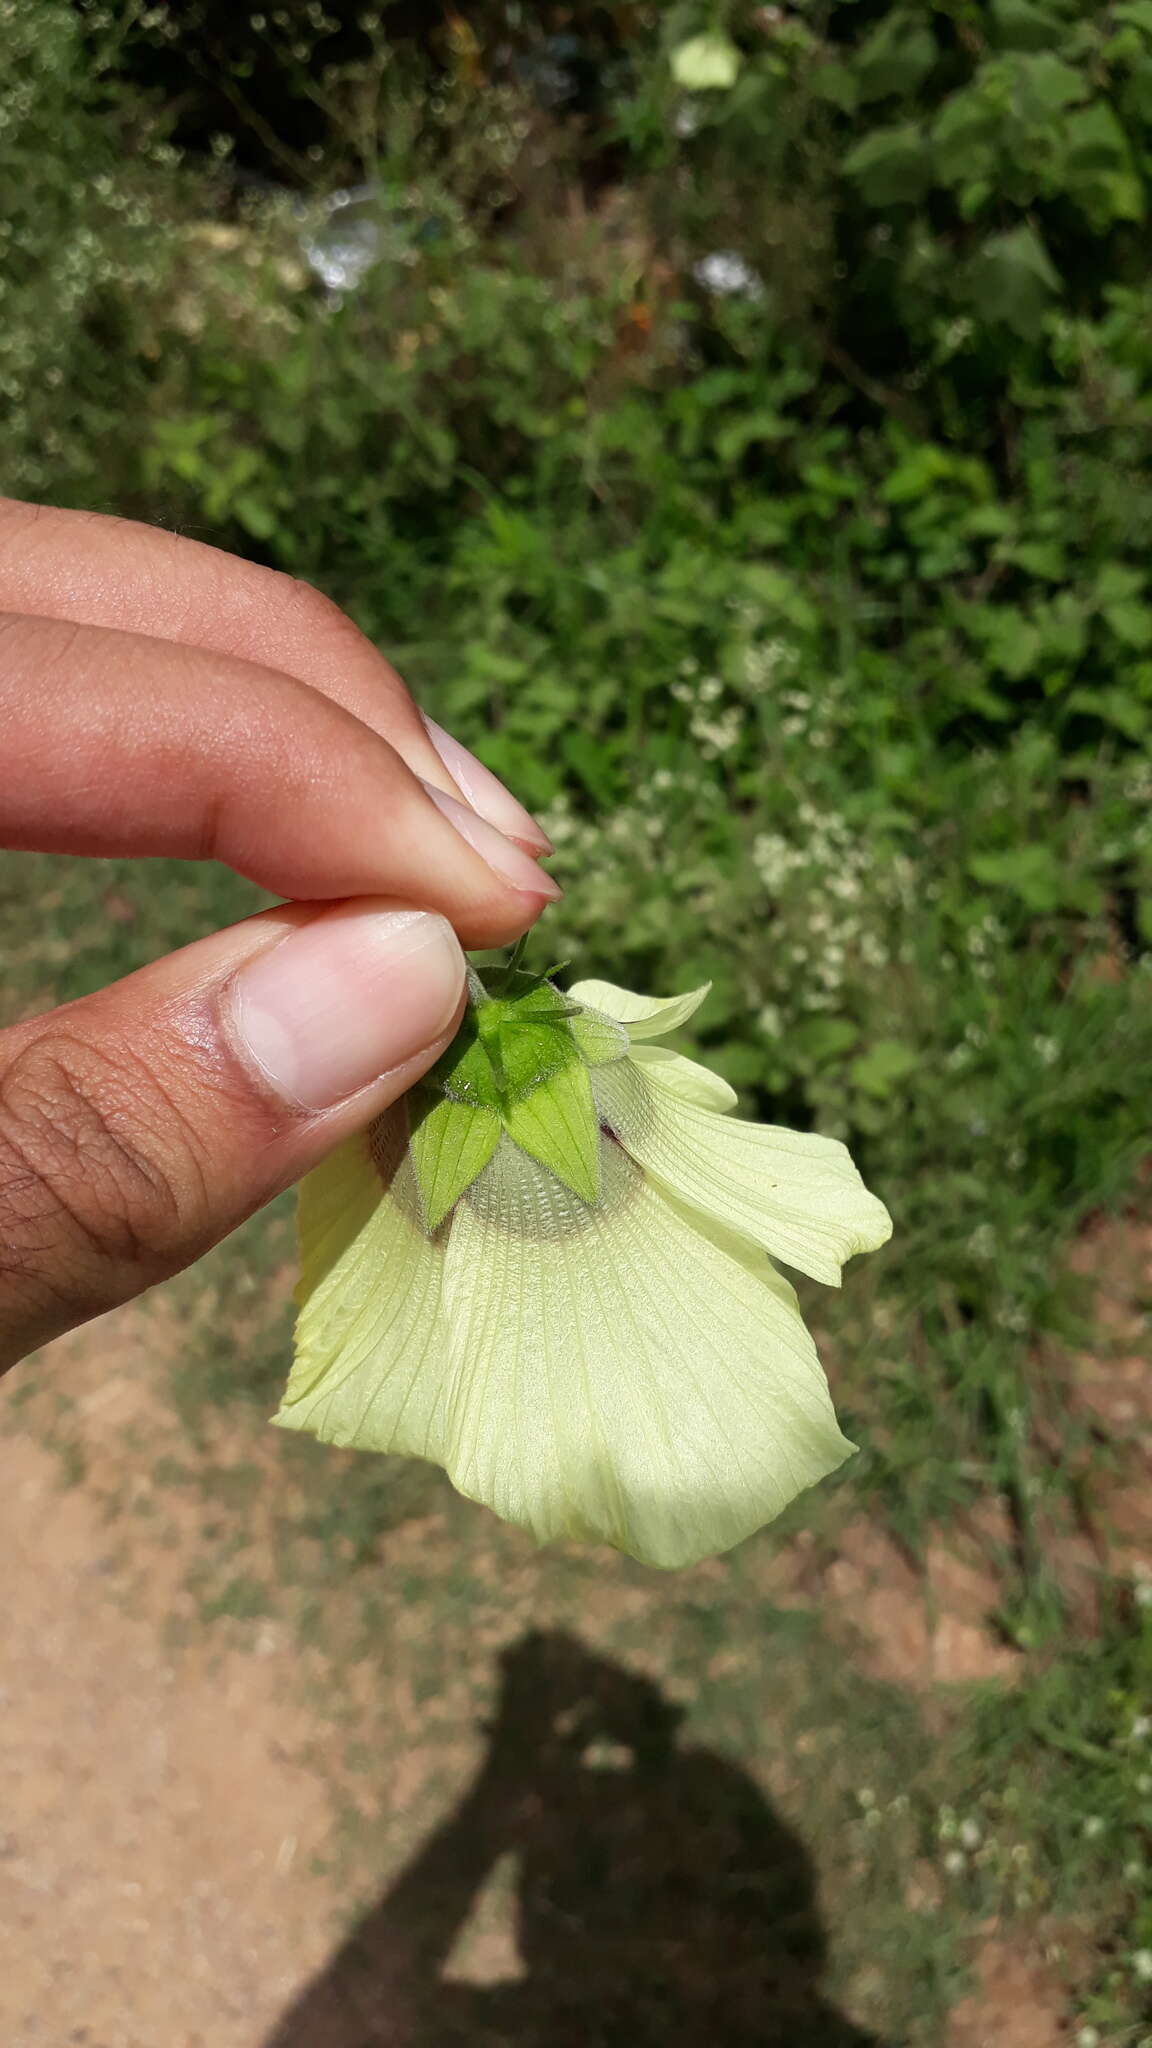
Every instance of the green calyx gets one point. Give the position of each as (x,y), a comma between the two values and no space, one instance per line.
(518,1064)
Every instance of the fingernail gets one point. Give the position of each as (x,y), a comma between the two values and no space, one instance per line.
(485,792)
(508,860)
(343,1000)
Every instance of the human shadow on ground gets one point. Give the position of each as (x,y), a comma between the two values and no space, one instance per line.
(659,1898)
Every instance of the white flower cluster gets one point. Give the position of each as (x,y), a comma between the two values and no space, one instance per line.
(985,941)
(812,710)
(834,899)
(650,862)
(715,736)
(717,722)
(630,829)
(715,731)
(837,900)
(764,661)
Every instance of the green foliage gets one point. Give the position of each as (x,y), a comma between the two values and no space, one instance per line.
(1063,1769)
(90,188)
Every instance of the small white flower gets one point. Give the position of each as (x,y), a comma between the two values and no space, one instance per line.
(717,735)
(727,276)
(982,1241)
(687,119)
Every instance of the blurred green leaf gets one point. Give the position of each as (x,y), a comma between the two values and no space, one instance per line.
(1033,873)
(1012,279)
(1137,13)
(881,1069)
(1131,622)
(896,58)
(1021,25)
(892,166)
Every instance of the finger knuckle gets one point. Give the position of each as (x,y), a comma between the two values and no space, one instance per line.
(87,1177)
(318,615)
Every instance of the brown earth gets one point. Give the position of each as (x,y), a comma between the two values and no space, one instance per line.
(167,1864)
(1018,2001)
(920,1623)
(169,1871)
(1110,1389)
(157,1820)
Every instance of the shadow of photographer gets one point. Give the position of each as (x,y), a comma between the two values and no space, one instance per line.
(659,1899)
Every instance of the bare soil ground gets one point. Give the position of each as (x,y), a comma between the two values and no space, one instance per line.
(182,1838)
(1018,2001)
(157,1822)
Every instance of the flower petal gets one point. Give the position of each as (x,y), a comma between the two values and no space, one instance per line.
(371,1342)
(685,1078)
(642,1016)
(599,1038)
(793,1193)
(619,1374)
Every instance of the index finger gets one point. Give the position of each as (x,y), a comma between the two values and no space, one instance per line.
(115,743)
(104,571)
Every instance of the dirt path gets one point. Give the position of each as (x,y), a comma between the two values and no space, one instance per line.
(156,1832)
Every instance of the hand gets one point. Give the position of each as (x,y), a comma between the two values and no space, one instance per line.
(557,1697)
(159,697)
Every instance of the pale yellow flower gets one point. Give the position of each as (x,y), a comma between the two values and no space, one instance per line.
(706,63)
(550,1270)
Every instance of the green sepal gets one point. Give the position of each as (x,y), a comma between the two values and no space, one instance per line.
(512,982)
(464,1072)
(450,1144)
(527,1040)
(506,1046)
(519,1062)
(558,1126)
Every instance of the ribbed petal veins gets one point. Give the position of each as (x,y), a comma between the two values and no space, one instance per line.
(372,1341)
(685,1078)
(796,1195)
(617,1375)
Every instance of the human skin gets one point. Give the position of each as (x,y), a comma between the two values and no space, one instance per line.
(160,697)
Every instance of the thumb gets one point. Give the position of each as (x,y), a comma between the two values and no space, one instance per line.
(142,1124)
